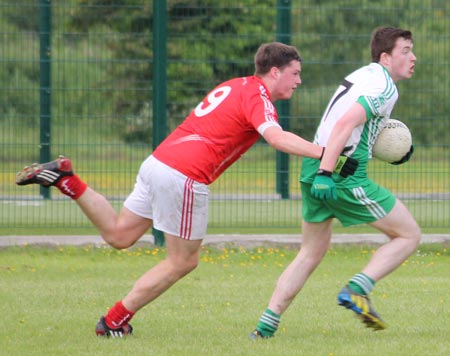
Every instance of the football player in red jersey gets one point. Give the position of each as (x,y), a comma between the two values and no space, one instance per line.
(171,190)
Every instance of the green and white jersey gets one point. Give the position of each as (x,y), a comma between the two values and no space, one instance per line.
(372,87)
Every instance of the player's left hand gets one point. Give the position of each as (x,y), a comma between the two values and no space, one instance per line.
(323,187)
(406,157)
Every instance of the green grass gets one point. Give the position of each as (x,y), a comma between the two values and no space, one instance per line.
(52,298)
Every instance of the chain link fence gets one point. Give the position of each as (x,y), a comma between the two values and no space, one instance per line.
(76,78)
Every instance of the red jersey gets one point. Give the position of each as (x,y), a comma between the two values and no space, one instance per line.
(219,130)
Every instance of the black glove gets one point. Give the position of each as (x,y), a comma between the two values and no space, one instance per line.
(345,166)
(405,158)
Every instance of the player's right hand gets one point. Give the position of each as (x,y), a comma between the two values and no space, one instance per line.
(323,187)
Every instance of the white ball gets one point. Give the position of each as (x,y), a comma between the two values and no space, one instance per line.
(393,142)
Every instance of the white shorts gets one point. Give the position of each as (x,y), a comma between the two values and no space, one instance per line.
(177,204)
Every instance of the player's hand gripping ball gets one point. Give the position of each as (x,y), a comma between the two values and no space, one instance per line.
(394,143)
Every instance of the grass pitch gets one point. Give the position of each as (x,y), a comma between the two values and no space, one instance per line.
(52,298)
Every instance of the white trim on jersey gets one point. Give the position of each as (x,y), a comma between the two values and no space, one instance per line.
(263,127)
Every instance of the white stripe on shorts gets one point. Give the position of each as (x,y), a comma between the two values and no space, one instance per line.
(374,208)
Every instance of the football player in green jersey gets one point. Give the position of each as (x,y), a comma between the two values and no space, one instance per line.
(353,117)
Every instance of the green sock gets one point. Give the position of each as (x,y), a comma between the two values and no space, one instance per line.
(268,323)
(361,283)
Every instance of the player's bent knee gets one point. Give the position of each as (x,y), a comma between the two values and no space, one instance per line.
(118,242)
(119,245)
(416,236)
(189,266)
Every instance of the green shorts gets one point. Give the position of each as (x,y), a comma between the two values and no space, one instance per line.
(361,205)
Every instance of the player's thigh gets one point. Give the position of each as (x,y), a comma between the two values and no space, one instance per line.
(131,225)
(316,237)
(399,222)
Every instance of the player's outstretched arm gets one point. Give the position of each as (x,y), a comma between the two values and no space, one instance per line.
(288,142)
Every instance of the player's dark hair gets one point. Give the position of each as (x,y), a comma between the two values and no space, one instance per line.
(274,54)
(384,39)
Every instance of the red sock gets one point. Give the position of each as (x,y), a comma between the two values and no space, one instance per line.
(72,186)
(118,315)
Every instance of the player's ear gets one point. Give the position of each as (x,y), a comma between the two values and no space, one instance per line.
(385,59)
(275,72)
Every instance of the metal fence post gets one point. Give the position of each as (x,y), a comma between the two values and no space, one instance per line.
(45,85)
(282,159)
(159,83)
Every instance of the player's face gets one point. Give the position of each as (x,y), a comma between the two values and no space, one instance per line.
(288,79)
(402,60)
